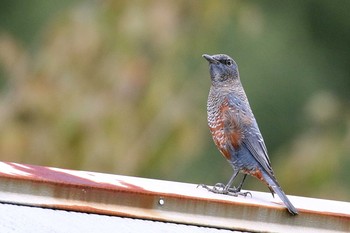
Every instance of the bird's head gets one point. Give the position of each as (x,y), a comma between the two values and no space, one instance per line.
(223,69)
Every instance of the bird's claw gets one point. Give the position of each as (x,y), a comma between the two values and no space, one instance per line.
(220,188)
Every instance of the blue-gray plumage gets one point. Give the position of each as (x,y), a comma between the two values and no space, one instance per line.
(235,130)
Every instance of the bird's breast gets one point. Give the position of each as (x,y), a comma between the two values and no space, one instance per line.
(225,126)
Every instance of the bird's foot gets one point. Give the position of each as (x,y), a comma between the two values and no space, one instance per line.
(220,188)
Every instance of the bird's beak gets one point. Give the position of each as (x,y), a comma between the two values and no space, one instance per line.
(210,59)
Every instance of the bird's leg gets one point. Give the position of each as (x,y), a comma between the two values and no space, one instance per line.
(226,189)
(236,191)
(241,184)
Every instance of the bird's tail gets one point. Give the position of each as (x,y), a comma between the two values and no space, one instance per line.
(273,184)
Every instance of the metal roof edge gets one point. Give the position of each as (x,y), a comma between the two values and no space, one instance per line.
(167,201)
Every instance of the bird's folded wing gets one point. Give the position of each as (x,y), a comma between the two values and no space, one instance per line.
(251,136)
(255,144)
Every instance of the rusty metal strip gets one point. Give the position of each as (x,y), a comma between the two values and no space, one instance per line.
(165,201)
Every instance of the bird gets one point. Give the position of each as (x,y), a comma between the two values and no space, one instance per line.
(235,130)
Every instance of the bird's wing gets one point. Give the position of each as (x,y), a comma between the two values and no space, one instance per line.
(256,145)
(252,138)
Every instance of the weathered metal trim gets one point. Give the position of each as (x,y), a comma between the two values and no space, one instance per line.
(165,201)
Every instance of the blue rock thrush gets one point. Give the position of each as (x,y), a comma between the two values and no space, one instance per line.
(235,130)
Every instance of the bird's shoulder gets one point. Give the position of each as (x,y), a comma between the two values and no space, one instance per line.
(239,108)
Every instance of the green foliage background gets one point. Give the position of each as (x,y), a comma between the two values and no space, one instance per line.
(121,87)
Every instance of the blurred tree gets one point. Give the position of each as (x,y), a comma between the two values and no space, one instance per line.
(120,86)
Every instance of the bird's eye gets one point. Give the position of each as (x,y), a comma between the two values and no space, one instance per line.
(229,62)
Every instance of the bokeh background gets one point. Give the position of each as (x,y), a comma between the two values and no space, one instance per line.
(121,87)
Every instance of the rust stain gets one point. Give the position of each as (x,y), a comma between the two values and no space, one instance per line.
(225,209)
(49,175)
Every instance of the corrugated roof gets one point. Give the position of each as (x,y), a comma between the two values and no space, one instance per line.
(164,201)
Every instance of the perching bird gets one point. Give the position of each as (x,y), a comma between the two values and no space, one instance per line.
(235,130)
